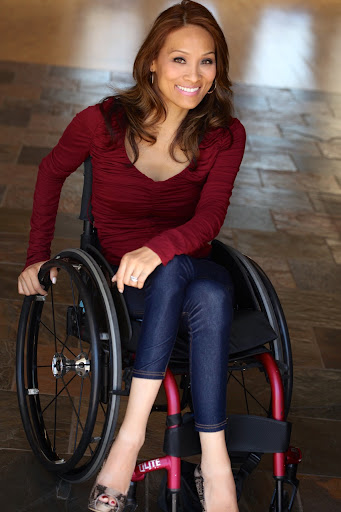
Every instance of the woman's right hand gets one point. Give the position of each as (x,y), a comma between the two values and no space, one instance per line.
(28,282)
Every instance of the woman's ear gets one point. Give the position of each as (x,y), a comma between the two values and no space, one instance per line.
(152,67)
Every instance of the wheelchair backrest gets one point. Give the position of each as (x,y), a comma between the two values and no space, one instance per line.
(86,210)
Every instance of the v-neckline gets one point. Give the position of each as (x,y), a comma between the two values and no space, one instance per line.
(145,175)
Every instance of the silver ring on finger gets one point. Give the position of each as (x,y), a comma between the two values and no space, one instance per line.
(134,279)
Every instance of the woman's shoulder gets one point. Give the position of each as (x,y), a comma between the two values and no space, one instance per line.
(100,121)
(236,126)
(95,114)
(87,120)
(234,134)
(110,104)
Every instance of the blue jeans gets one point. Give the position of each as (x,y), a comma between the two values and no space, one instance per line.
(195,296)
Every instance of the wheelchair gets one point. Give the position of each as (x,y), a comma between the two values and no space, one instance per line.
(75,354)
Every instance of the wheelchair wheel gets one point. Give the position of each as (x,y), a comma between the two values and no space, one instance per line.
(281,346)
(267,301)
(68,365)
(248,390)
(248,385)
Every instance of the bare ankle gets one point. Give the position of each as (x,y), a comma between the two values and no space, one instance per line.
(213,471)
(130,439)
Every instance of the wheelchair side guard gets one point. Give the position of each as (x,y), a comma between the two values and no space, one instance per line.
(268,435)
(244,433)
(247,433)
(252,435)
(249,329)
(120,305)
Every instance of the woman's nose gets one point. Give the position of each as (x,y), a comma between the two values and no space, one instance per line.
(193,74)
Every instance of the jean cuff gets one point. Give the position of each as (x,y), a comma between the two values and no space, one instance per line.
(199,427)
(143,374)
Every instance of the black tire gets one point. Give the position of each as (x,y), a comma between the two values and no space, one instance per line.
(68,409)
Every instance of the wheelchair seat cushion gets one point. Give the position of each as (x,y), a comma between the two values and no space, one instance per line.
(250,330)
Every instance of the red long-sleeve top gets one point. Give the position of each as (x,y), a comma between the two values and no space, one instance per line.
(180,215)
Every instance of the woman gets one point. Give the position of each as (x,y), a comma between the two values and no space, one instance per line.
(165,154)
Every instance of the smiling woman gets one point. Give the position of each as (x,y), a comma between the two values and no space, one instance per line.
(165,154)
(145,107)
(185,69)
(182,77)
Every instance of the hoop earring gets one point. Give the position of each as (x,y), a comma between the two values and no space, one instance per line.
(214,88)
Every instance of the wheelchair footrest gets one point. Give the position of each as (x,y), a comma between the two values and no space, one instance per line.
(244,433)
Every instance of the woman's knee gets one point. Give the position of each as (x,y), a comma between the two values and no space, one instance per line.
(213,297)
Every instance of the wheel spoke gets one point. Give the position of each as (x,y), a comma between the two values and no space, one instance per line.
(247,391)
(73,406)
(245,394)
(53,399)
(79,409)
(104,412)
(75,307)
(60,341)
(78,419)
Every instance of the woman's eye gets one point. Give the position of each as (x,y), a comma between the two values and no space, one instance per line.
(179,59)
(207,61)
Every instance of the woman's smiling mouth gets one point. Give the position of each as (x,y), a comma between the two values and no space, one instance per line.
(189,91)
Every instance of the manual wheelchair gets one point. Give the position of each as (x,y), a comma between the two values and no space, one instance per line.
(75,353)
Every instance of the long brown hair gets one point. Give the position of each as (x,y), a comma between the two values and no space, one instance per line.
(139,101)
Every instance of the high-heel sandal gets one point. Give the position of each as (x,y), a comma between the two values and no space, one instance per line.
(199,483)
(101,491)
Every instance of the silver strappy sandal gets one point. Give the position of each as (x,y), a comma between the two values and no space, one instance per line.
(199,483)
(117,499)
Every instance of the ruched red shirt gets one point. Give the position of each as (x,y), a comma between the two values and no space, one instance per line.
(180,215)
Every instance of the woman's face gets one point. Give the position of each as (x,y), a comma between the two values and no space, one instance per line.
(185,68)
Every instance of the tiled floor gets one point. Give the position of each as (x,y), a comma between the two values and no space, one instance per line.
(272,42)
(285,214)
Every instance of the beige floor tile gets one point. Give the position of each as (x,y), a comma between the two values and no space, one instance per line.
(293,222)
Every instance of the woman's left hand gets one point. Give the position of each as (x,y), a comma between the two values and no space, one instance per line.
(138,264)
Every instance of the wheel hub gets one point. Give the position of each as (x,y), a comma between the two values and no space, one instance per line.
(61,365)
